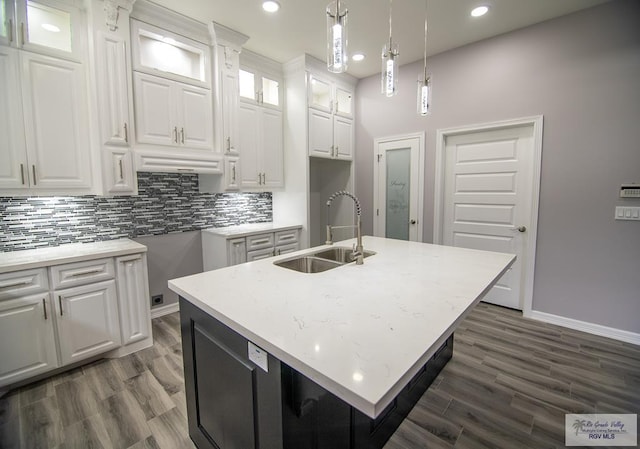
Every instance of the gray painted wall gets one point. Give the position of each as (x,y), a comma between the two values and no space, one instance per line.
(171,256)
(582,72)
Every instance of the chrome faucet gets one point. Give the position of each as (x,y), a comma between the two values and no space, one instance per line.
(358,251)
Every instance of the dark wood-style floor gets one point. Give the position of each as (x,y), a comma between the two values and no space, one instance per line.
(509,385)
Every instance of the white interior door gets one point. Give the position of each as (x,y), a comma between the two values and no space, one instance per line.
(487,200)
(398,187)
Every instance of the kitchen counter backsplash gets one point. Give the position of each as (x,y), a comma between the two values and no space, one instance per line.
(166,203)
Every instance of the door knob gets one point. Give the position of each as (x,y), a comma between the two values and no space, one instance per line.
(520,229)
(413,221)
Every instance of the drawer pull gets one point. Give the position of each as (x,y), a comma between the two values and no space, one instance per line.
(86,272)
(44,305)
(60,304)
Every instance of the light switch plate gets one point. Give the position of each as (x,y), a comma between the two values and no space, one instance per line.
(259,356)
(627,213)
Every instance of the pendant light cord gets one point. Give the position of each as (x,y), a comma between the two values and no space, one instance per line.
(390,23)
(425,40)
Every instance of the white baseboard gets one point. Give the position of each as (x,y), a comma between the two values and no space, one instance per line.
(157,312)
(591,328)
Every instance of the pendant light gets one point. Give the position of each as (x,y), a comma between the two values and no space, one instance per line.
(390,63)
(424,85)
(337,37)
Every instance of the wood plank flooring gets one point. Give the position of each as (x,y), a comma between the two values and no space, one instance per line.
(509,385)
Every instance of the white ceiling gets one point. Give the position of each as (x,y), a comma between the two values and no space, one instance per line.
(300,25)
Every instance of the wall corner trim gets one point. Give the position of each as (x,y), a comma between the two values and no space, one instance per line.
(591,328)
(157,312)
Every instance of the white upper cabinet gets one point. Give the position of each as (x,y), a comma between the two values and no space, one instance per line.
(172,114)
(49,27)
(259,87)
(13,156)
(330,119)
(56,123)
(163,53)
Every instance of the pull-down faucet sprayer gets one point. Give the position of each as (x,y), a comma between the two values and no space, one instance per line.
(358,252)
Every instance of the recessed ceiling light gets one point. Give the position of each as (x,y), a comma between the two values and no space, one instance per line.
(357,57)
(50,27)
(270,6)
(479,11)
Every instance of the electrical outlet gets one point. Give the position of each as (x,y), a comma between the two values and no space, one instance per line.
(156,300)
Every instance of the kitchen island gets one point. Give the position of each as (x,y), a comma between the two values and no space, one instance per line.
(277,358)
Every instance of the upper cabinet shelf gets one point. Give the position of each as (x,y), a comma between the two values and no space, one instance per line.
(162,53)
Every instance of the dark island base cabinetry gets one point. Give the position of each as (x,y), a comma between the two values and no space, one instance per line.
(234,404)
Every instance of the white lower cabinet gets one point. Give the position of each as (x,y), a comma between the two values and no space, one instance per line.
(88,322)
(27,338)
(61,314)
(135,316)
(223,247)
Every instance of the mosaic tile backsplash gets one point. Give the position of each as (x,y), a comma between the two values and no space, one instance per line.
(166,203)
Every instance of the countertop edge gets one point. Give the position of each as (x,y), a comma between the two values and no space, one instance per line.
(85,252)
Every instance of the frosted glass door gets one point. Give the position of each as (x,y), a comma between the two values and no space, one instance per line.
(398,194)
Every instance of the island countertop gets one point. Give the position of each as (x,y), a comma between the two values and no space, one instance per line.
(359,331)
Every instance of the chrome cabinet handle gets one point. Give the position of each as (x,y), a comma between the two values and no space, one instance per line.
(175,134)
(60,303)
(22,173)
(86,272)
(35,180)
(121,170)
(10,30)
(233,174)
(182,135)
(126,133)
(44,305)
(22,33)
(228,144)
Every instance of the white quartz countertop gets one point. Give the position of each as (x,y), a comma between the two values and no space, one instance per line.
(72,252)
(360,331)
(250,228)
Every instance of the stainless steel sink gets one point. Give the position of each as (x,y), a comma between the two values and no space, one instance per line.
(340,254)
(308,264)
(320,261)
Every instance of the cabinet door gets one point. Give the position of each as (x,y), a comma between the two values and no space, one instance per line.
(343,145)
(133,292)
(195,117)
(155,111)
(27,339)
(343,103)
(113,91)
(272,148)
(236,251)
(320,134)
(230,110)
(7,23)
(118,171)
(320,94)
(13,155)
(87,318)
(249,143)
(56,123)
(50,27)
(260,254)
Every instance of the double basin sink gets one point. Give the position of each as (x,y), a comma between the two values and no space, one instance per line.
(321,260)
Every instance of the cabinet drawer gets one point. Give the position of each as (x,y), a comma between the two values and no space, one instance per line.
(286,249)
(260,241)
(286,237)
(80,273)
(22,283)
(259,254)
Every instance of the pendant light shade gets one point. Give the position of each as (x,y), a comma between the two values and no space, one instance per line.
(389,78)
(424,84)
(337,37)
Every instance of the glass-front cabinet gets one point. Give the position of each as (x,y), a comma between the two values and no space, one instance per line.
(43,26)
(258,86)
